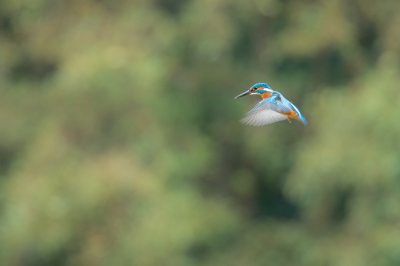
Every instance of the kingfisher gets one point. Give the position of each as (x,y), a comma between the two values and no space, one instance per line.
(272,108)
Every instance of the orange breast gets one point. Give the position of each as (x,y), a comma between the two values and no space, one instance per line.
(266,95)
(293,114)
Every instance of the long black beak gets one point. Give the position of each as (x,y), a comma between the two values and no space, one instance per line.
(243,94)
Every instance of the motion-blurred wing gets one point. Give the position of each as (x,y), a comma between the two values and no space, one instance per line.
(262,118)
(266,112)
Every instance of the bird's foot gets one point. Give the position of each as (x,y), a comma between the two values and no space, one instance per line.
(288,120)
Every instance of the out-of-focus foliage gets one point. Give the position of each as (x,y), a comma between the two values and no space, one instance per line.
(120,142)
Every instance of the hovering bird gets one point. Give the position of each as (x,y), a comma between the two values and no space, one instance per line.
(273,107)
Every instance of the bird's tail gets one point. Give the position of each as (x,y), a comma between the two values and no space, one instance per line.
(302,119)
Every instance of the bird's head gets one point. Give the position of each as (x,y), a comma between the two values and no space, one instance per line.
(261,89)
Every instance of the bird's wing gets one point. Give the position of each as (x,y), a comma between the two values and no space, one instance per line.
(266,112)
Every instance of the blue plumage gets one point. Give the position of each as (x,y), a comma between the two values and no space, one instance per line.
(260,85)
(301,117)
(274,107)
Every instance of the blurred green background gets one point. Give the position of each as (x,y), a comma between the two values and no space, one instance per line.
(120,142)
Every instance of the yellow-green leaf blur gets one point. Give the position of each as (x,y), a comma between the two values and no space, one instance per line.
(120,140)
